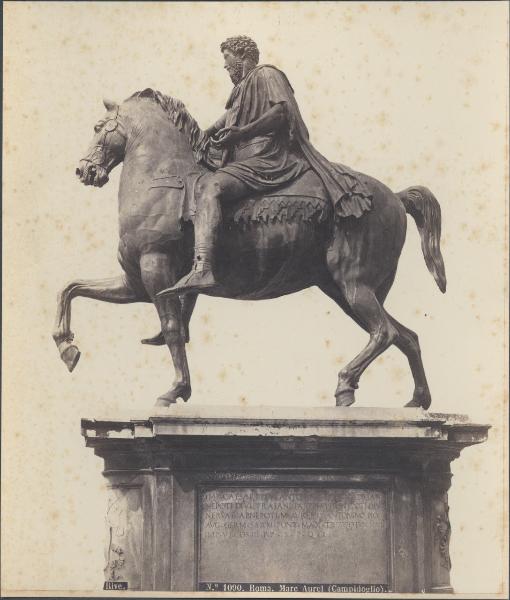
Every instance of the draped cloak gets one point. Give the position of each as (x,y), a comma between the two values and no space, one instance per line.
(269,161)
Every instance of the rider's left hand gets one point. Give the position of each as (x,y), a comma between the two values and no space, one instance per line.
(228,136)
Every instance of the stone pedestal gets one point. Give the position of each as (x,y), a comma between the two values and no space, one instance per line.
(326,500)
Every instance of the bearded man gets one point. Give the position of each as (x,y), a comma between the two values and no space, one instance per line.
(264,144)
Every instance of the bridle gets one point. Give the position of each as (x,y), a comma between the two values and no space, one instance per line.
(98,154)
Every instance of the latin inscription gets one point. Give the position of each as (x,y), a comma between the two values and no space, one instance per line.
(236,515)
(295,527)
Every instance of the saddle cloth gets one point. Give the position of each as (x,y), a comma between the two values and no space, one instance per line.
(304,199)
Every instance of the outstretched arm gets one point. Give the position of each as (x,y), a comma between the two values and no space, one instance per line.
(271,121)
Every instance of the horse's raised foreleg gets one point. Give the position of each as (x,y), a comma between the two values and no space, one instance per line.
(188,302)
(158,274)
(112,289)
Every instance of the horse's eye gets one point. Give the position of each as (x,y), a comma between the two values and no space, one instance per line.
(97,128)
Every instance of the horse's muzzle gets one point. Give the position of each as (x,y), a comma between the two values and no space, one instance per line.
(91,174)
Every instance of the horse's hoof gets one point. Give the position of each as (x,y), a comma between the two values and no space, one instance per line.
(164,402)
(172,395)
(70,355)
(157,340)
(344,398)
(421,398)
(420,401)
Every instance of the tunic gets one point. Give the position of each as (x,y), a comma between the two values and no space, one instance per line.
(267,162)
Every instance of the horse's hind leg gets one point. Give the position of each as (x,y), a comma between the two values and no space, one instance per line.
(406,341)
(361,303)
(112,289)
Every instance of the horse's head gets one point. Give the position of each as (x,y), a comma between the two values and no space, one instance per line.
(106,150)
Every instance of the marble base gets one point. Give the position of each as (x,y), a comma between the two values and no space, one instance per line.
(301,500)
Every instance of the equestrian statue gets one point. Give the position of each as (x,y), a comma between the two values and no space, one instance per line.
(248,209)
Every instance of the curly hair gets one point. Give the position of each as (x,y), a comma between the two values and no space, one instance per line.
(239,43)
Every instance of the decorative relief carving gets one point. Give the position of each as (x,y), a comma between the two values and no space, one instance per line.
(124,535)
(442,531)
(115,522)
(115,562)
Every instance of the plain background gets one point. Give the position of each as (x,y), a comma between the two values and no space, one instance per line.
(411,93)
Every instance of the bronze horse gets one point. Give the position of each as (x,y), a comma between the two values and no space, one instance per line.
(352,260)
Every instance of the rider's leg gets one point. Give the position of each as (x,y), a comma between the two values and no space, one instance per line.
(219,189)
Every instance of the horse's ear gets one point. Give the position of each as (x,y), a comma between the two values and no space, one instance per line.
(110,104)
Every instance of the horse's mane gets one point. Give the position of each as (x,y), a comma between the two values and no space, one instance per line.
(181,118)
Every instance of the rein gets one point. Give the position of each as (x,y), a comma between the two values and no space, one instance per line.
(98,153)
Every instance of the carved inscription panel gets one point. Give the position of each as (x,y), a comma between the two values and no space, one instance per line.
(307,534)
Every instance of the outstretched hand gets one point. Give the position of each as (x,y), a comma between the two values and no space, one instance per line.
(228,136)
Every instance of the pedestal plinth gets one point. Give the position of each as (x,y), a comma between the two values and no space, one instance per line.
(316,500)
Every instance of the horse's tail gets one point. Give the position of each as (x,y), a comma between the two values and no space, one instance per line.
(423,206)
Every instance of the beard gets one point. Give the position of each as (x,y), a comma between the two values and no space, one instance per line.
(236,72)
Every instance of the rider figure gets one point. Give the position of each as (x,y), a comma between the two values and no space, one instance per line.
(264,145)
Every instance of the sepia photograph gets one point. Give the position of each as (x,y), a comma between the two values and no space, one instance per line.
(255,299)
